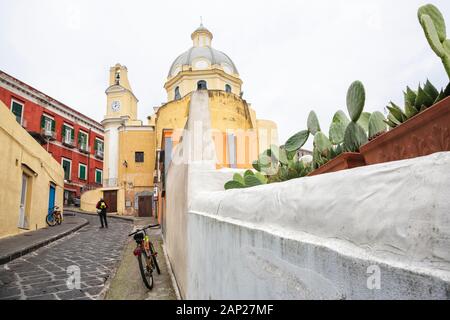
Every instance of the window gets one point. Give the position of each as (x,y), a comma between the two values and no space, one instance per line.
(177,93)
(227,88)
(83,141)
(98,147)
(139,157)
(68,134)
(201,85)
(98,176)
(82,171)
(17,110)
(66,164)
(47,125)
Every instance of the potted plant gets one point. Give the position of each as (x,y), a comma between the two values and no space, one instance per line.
(341,150)
(423,126)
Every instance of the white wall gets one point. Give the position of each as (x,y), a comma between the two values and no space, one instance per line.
(310,238)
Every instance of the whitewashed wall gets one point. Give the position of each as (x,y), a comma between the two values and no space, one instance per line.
(310,238)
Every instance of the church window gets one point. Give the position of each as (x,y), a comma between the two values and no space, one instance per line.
(227,88)
(201,85)
(177,93)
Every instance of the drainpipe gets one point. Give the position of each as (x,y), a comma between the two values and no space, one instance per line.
(89,156)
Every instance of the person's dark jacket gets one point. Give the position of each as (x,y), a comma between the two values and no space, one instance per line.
(102,206)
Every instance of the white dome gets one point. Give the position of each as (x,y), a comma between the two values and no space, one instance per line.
(212,55)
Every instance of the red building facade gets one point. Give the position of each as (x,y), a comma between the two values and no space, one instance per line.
(74,140)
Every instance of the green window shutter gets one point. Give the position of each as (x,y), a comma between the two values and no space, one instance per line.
(82,172)
(80,138)
(53,125)
(95,145)
(72,134)
(63,129)
(98,176)
(17,111)
(42,122)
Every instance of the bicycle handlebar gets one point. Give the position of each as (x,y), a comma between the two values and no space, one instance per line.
(145,228)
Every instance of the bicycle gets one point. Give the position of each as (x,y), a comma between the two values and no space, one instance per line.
(145,247)
(54,216)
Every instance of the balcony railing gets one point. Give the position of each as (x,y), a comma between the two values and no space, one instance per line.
(69,142)
(48,134)
(84,148)
(108,183)
(99,154)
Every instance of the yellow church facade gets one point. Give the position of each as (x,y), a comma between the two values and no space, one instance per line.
(137,155)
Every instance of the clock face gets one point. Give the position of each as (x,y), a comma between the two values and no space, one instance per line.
(115,105)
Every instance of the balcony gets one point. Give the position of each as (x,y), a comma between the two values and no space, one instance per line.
(99,154)
(84,148)
(109,183)
(48,134)
(68,142)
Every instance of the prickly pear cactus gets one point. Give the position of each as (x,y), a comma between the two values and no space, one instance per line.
(313,123)
(297,141)
(356,97)
(376,124)
(355,137)
(337,127)
(433,25)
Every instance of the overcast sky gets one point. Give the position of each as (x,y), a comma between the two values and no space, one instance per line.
(293,56)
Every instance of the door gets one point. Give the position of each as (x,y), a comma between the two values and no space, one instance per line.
(110,198)
(23,201)
(51,199)
(145,206)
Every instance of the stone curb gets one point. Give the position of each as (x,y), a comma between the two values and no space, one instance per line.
(71,210)
(17,254)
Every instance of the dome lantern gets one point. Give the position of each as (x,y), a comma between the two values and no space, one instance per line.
(201,37)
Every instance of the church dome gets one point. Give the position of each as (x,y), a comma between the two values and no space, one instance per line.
(202,56)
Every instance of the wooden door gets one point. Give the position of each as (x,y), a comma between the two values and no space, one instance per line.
(110,198)
(145,206)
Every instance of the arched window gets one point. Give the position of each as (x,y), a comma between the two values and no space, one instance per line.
(227,88)
(177,93)
(201,85)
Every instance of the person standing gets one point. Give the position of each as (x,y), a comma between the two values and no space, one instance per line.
(101,210)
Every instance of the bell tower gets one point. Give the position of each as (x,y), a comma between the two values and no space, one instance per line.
(121,107)
(121,101)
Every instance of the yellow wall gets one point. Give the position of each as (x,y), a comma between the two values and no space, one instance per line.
(21,153)
(187,82)
(89,200)
(229,114)
(267,134)
(135,177)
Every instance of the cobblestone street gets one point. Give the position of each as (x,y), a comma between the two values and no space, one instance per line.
(42,274)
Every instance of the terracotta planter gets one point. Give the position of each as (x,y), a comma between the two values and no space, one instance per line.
(426,133)
(344,161)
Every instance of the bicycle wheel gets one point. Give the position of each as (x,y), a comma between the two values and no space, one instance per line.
(50,219)
(146,272)
(59,219)
(155,262)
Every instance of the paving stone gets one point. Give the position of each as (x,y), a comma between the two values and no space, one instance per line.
(71,294)
(42,274)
